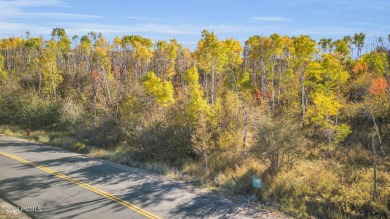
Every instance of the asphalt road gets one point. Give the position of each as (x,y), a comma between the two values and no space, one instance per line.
(55,183)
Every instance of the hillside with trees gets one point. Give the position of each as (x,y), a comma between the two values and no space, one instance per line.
(312,119)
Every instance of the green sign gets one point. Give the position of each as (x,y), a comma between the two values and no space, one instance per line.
(256,182)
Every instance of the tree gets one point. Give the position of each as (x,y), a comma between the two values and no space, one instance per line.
(165,58)
(63,41)
(51,77)
(138,52)
(325,79)
(162,91)
(197,103)
(210,57)
(279,142)
(233,51)
(325,107)
(358,41)
(303,50)
(199,112)
(325,45)
(377,62)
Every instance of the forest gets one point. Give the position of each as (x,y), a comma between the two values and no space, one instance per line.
(312,119)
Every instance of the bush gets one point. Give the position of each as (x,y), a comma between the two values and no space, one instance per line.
(72,114)
(280,142)
(80,147)
(25,108)
(43,138)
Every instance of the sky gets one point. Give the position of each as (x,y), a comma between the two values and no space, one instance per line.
(185,19)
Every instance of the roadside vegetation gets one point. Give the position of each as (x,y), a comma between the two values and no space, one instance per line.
(310,118)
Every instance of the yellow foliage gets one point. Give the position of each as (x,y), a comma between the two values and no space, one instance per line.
(161,90)
(197,104)
(324,107)
(51,77)
(3,74)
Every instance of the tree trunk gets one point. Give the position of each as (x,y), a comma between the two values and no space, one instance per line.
(303,97)
(255,75)
(40,82)
(245,129)
(212,85)
(273,88)
(94,111)
(107,88)
(377,132)
(206,162)
(374,166)
(53,85)
(329,137)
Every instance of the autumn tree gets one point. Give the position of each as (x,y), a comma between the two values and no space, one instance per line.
(325,79)
(199,112)
(210,58)
(51,76)
(325,45)
(162,91)
(303,50)
(233,50)
(138,53)
(165,58)
(377,62)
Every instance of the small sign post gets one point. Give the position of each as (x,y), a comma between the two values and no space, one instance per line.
(256,183)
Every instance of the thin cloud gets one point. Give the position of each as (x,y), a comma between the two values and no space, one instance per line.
(271,19)
(29,3)
(141,18)
(52,15)
(141,28)
(339,31)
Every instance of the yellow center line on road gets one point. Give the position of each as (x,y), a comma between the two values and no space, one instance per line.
(85,185)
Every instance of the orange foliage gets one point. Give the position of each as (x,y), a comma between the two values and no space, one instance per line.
(379,86)
(95,74)
(117,72)
(259,97)
(360,68)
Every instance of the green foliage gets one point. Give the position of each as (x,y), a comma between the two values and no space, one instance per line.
(80,147)
(326,76)
(376,61)
(245,82)
(342,131)
(210,52)
(278,142)
(27,109)
(303,49)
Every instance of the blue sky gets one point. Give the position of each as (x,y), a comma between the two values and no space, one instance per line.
(185,19)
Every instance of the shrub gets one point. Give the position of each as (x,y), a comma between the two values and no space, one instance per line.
(80,147)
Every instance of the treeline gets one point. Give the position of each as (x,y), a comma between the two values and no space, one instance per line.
(312,118)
